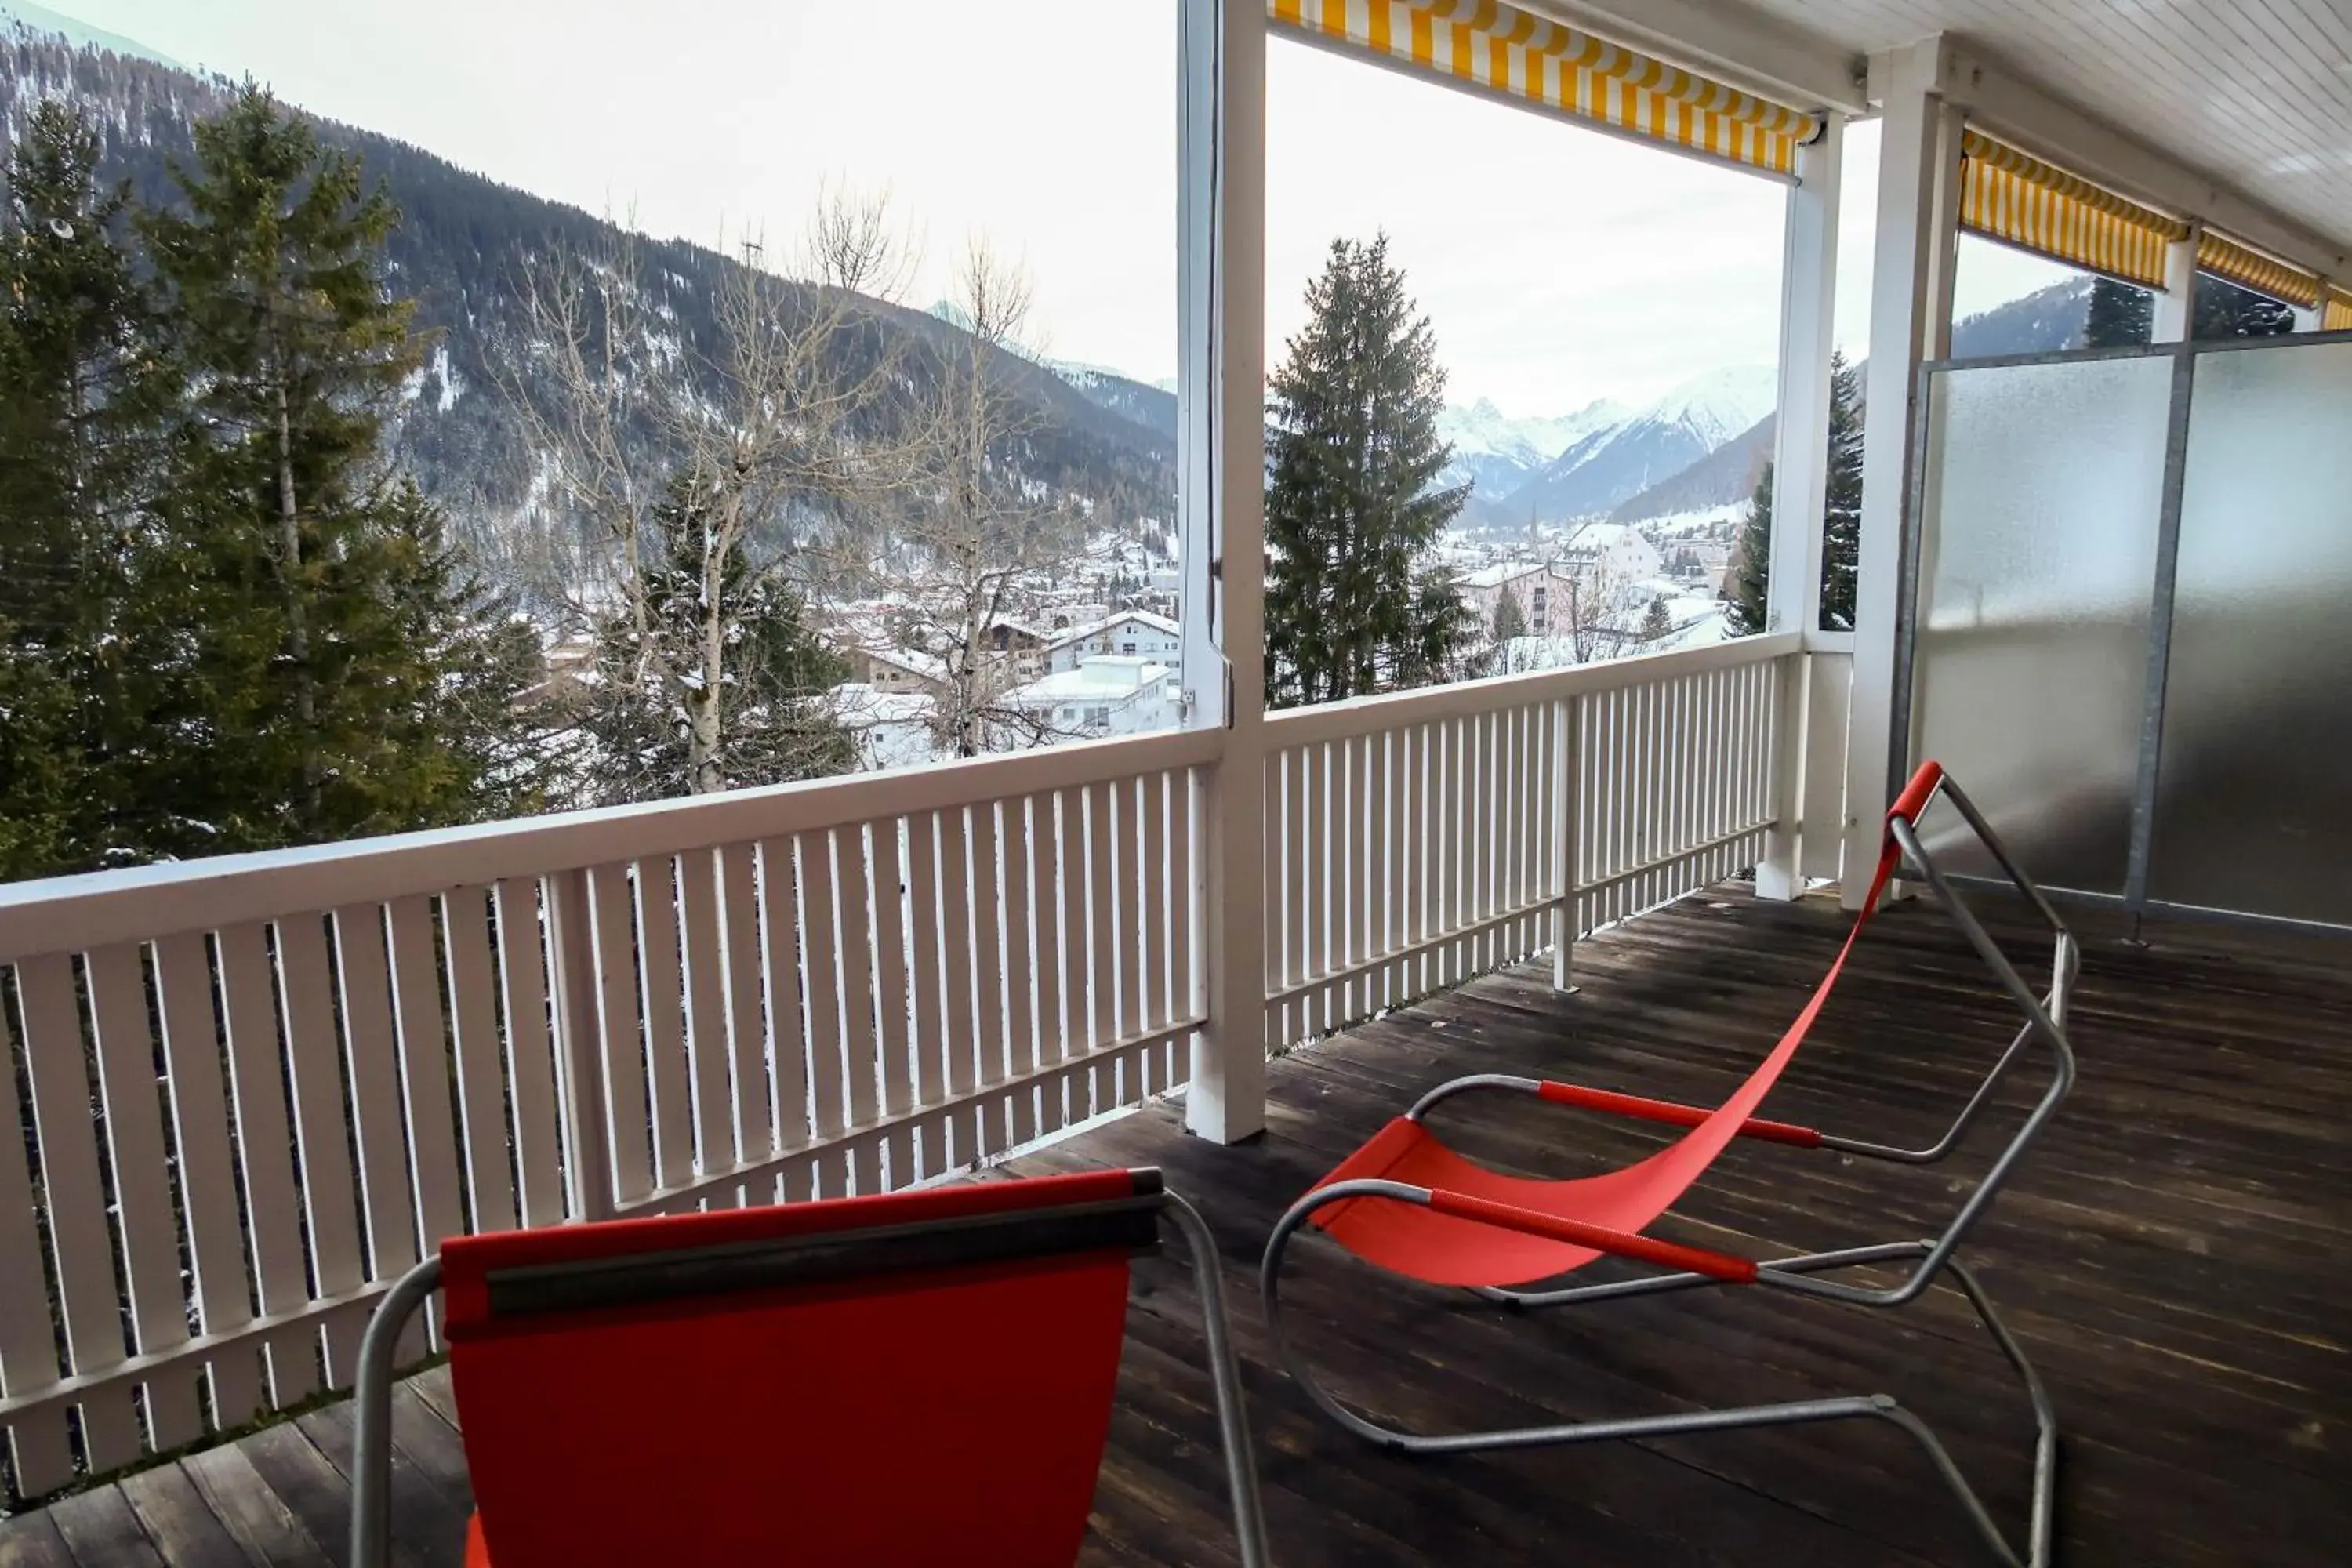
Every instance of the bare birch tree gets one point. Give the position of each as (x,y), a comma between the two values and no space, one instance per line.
(691,474)
(959,550)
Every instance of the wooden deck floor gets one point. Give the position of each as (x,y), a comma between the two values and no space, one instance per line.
(2173,1256)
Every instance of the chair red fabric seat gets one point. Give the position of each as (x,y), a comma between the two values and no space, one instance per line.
(924,1376)
(1424,1241)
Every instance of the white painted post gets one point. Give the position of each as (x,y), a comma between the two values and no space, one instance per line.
(1567,768)
(1220,422)
(2175,306)
(1800,472)
(1910,319)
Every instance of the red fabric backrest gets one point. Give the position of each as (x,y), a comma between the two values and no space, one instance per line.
(939,1415)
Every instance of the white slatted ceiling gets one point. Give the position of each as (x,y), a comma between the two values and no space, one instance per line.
(2254,92)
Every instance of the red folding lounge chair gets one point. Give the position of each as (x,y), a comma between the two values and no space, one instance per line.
(1407,1203)
(915,1378)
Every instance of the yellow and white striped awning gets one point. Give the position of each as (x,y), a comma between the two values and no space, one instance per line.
(1503,49)
(2249,268)
(2010,197)
(2339,315)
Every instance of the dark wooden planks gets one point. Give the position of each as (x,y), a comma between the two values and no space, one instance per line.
(2169,1255)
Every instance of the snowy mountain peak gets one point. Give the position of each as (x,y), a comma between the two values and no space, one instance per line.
(40,22)
(1484,430)
(1720,405)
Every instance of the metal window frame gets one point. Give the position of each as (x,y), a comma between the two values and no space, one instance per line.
(1929,1260)
(2134,901)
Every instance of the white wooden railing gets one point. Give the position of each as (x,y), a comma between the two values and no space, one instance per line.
(256,1088)
(1416,839)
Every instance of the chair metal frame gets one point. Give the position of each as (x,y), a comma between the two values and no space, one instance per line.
(933,1243)
(1929,1260)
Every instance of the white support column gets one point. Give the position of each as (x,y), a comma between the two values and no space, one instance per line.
(1910,319)
(2176,307)
(1801,470)
(1221,428)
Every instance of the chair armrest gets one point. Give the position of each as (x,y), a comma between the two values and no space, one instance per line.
(1601,1238)
(1671,1114)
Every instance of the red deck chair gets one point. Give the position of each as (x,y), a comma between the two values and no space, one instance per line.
(1409,1203)
(922,1377)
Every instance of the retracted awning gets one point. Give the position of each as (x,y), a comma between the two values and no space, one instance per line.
(1502,49)
(2011,196)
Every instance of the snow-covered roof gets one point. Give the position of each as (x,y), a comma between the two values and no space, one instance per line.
(854,702)
(1160,624)
(1106,678)
(914,661)
(1496,576)
(1594,537)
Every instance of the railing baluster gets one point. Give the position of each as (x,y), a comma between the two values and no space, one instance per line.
(117,981)
(891,997)
(274,1205)
(987,973)
(783,936)
(955,902)
(1102,956)
(81,1248)
(365,991)
(424,1075)
(28,1355)
(1021,962)
(1071,881)
(1185,914)
(481,1081)
(705,983)
(750,1092)
(860,1065)
(929,1045)
(820,968)
(1126,885)
(1154,892)
(329,1197)
(661,1012)
(539,1158)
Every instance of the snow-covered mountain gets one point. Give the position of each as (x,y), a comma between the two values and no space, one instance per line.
(39,23)
(1620,460)
(1151,405)
(1498,451)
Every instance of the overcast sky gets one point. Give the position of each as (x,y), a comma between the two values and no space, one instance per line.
(1558,264)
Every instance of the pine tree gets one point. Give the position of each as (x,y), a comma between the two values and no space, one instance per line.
(2223,311)
(1510,624)
(1355,601)
(1655,621)
(1751,563)
(1751,566)
(325,621)
(759,690)
(1510,621)
(1841,497)
(81,411)
(2119,316)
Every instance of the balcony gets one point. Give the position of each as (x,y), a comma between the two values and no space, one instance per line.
(2163,1257)
(255,1090)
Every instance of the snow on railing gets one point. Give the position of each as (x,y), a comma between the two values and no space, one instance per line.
(255,1089)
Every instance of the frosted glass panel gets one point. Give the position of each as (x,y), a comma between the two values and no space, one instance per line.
(2256,785)
(2037,563)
